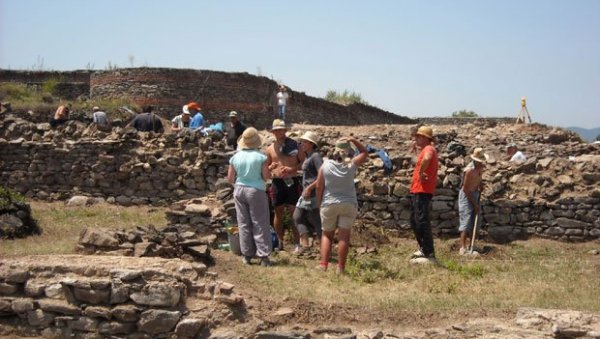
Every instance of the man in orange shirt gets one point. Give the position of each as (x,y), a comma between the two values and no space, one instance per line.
(422,188)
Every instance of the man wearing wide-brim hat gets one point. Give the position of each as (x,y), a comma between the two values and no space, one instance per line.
(469,198)
(422,188)
(284,161)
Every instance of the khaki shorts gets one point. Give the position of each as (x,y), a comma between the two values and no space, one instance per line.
(340,215)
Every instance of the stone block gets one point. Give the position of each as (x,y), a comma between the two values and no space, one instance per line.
(84,324)
(189,328)
(98,312)
(158,321)
(58,306)
(92,296)
(8,289)
(22,305)
(39,318)
(158,294)
(126,313)
(115,327)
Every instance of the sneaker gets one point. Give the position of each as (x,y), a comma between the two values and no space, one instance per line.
(418,254)
(247,260)
(298,250)
(265,262)
(340,271)
(462,251)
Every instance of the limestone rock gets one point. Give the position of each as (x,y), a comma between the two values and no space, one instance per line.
(158,321)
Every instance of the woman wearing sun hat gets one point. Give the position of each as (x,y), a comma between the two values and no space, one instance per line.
(306,214)
(248,170)
(336,195)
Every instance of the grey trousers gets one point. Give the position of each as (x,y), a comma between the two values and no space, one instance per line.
(252,209)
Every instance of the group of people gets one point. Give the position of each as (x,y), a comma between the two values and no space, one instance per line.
(322,201)
(190,120)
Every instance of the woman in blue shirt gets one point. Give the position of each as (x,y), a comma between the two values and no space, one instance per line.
(248,171)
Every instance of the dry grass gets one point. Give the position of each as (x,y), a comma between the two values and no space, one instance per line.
(534,273)
(61,225)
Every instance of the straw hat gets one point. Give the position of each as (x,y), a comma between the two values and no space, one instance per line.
(278,124)
(250,139)
(186,110)
(425,131)
(312,137)
(343,145)
(479,156)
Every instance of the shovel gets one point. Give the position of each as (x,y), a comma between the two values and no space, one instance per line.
(474,232)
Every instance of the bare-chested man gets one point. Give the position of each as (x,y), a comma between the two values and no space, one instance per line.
(284,162)
(468,198)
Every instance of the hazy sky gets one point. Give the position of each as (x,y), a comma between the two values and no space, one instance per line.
(414,58)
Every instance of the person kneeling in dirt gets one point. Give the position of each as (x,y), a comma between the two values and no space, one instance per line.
(515,155)
(469,198)
(100,120)
(147,121)
(336,195)
(248,170)
(306,215)
(60,116)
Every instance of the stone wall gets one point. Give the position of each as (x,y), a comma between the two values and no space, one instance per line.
(127,171)
(70,85)
(568,219)
(464,121)
(217,93)
(74,297)
(136,168)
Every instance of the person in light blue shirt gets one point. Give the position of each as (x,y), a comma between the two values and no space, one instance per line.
(248,171)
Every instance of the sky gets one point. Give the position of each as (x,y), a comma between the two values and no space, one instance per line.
(413,58)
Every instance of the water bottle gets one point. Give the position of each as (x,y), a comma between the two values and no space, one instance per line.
(274,240)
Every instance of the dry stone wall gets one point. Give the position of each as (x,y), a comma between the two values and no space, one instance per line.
(126,171)
(73,297)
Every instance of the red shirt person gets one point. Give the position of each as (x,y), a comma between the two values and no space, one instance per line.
(423,185)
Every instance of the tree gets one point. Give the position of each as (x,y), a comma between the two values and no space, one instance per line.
(344,98)
(464,114)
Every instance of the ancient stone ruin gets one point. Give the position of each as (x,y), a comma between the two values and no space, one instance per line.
(15,216)
(115,296)
(125,293)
